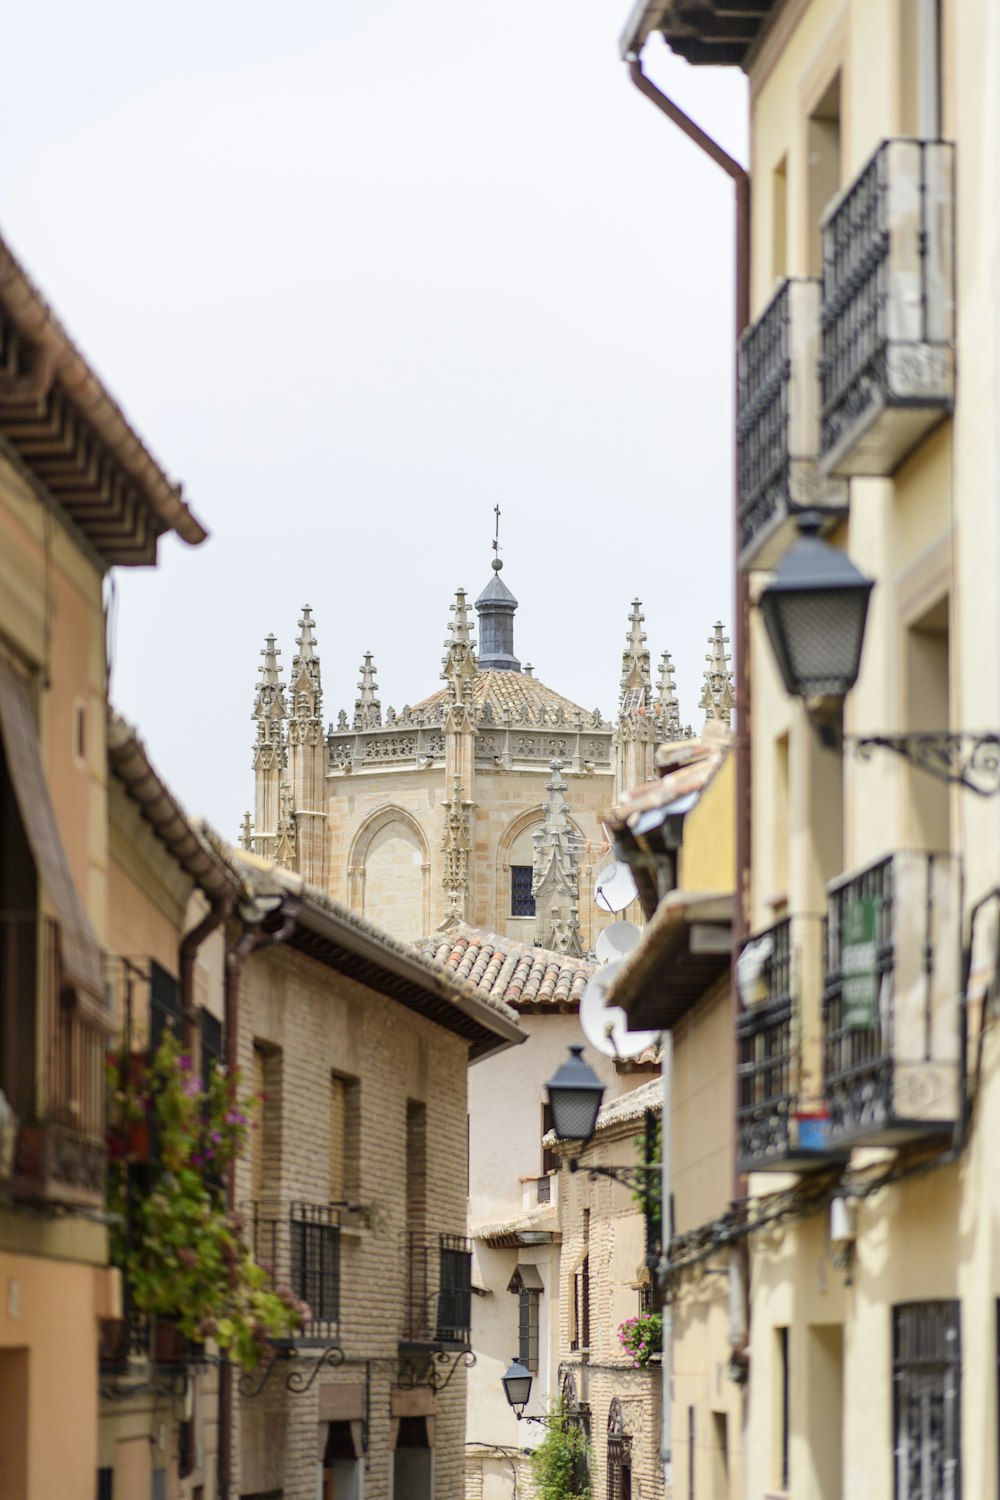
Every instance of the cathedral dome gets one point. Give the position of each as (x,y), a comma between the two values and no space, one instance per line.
(523,696)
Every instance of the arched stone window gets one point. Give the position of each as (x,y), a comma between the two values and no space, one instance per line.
(619,1454)
(389,873)
(515,906)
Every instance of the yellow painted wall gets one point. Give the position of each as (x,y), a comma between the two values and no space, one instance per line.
(708,857)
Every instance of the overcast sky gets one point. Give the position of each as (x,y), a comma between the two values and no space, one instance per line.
(358,272)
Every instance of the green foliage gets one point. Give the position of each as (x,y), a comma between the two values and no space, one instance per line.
(647,1194)
(560,1467)
(185,1256)
(642,1337)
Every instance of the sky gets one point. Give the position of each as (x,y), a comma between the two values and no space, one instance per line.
(358,273)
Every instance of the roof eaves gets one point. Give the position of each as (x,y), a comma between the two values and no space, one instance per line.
(64,364)
(159,807)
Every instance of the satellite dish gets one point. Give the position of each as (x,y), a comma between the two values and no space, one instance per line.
(617,941)
(614,887)
(606,1026)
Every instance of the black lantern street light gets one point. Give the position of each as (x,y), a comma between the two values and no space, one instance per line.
(575,1093)
(517,1388)
(814,611)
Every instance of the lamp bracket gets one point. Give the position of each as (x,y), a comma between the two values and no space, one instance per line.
(969,760)
(644,1178)
(435,1371)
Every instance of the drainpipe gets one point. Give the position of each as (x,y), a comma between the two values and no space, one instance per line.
(252,915)
(741,182)
(190,944)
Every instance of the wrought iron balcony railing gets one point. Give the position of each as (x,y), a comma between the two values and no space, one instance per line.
(891,1003)
(438,1291)
(298,1244)
(781,1118)
(778,427)
(52,1070)
(888,319)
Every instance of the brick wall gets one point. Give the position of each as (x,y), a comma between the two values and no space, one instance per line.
(319,1023)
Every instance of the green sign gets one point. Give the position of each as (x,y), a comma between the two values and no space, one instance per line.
(859,966)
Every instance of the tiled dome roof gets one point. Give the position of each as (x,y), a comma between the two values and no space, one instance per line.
(524,696)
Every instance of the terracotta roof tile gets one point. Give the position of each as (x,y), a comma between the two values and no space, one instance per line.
(522,695)
(510,972)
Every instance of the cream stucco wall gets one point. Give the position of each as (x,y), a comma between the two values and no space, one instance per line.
(930,537)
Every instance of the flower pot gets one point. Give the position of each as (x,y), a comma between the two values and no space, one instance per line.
(169,1344)
(813,1131)
(137,1141)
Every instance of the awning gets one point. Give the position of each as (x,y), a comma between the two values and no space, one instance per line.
(684,951)
(79,949)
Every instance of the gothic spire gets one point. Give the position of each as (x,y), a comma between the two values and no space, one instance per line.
(635,681)
(305,659)
(555,881)
(269,705)
(717,696)
(670,709)
(367,709)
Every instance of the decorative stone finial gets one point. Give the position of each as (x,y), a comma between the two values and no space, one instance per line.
(635,679)
(367,709)
(717,696)
(555,882)
(269,709)
(670,711)
(246,833)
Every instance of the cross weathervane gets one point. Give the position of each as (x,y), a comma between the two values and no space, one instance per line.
(496,537)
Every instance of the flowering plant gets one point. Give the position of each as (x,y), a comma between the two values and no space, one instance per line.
(184,1254)
(642,1337)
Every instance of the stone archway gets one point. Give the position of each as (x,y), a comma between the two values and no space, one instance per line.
(388,873)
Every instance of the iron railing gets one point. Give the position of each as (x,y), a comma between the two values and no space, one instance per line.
(778,425)
(891,997)
(887,365)
(767,1075)
(438,1289)
(298,1245)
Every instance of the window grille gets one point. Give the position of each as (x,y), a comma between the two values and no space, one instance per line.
(619,1455)
(927,1379)
(454,1317)
(527,1328)
(315,1260)
(164,1005)
(522,902)
(581,1306)
(211,1046)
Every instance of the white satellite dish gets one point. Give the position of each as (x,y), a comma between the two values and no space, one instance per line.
(606,1026)
(617,941)
(614,887)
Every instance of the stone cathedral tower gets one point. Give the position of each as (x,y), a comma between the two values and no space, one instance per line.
(483,803)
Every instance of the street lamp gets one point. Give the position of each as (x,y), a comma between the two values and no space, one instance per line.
(575,1094)
(517,1387)
(814,611)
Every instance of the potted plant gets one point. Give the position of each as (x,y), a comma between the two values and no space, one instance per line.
(185,1256)
(641,1337)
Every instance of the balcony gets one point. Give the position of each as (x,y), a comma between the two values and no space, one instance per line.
(891,1004)
(438,1292)
(298,1244)
(888,319)
(778,425)
(52,1048)
(782,1122)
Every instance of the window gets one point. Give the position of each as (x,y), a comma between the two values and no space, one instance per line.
(211,1046)
(164,1004)
(550,1157)
(926,1371)
(527,1286)
(619,1454)
(581,1306)
(522,902)
(783,1407)
(316,1260)
(344,1139)
(454,1303)
(823,137)
(105,1484)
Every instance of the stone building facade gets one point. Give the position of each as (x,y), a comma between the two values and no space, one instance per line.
(432,814)
(604,1280)
(355,1195)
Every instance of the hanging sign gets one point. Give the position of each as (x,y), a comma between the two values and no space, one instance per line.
(859,965)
